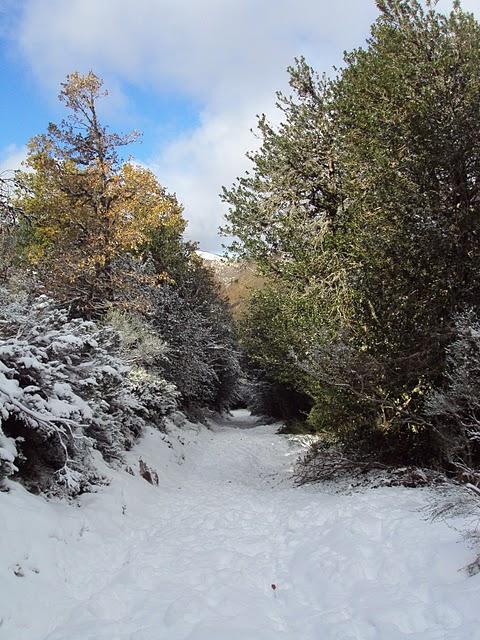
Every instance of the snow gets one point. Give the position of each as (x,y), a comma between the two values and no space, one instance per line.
(195,558)
(7,454)
(206,255)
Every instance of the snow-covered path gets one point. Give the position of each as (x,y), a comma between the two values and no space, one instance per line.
(195,558)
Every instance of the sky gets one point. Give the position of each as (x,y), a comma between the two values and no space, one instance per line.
(191,74)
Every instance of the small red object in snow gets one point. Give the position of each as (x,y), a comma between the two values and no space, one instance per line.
(274,586)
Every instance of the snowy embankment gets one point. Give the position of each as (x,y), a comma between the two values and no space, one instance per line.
(195,558)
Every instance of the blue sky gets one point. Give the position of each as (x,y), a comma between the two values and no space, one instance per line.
(190,74)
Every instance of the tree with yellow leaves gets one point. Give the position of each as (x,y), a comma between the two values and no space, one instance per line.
(85,207)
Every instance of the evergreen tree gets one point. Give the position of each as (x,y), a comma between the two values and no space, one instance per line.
(363,210)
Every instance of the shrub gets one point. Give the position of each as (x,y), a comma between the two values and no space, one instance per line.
(65,390)
(454,408)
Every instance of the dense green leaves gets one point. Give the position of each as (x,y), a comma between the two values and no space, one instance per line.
(364,206)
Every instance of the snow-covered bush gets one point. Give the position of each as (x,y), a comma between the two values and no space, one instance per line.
(141,346)
(179,328)
(8,453)
(202,358)
(455,408)
(157,397)
(64,390)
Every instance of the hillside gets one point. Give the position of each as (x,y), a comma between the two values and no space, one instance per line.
(237,279)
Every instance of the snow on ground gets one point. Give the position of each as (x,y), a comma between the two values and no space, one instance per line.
(195,558)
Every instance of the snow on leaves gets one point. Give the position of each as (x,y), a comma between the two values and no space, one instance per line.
(64,391)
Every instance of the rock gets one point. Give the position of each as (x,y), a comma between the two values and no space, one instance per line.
(150,475)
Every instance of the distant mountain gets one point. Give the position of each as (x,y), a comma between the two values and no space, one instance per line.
(237,279)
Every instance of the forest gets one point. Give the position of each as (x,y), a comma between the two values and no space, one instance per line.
(336,343)
(109,319)
(360,216)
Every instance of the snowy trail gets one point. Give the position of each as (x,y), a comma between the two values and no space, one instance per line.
(195,557)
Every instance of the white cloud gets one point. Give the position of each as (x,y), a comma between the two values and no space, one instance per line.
(229,56)
(196,165)
(213,49)
(11,157)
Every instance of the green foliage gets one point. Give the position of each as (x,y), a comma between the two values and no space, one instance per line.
(362,210)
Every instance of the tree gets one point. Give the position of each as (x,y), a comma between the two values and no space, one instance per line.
(8,228)
(406,113)
(202,358)
(65,389)
(84,206)
(365,202)
(407,118)
(283,210)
